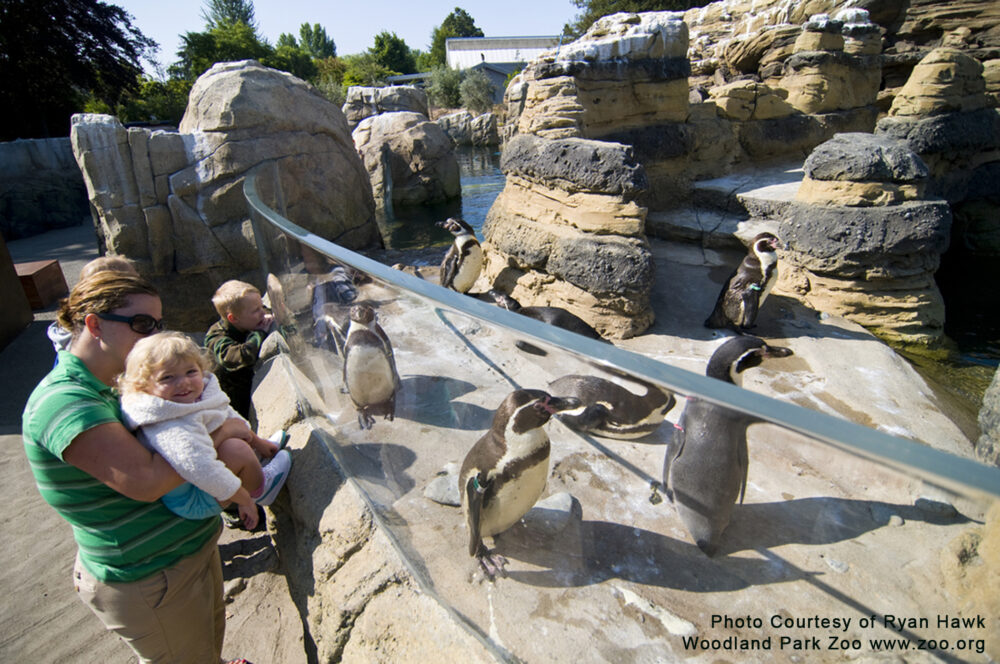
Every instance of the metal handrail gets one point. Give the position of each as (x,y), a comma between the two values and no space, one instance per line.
(959,475)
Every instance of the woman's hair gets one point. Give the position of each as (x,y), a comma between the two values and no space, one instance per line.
(118,264)
(152,353)
(100,293)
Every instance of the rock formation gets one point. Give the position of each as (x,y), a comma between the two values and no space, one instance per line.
(40,187)
(464,129)
(988,446)
(363,102)
(173,201)
(863,243)
(408,158)
(566,231)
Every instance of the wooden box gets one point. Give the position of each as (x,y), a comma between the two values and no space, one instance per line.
(42,281)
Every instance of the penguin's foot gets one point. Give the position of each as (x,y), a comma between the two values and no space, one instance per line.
(492,564)
(365,420)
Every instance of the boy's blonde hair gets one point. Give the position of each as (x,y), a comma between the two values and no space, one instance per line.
(152,353)
(228,298)
(109,264)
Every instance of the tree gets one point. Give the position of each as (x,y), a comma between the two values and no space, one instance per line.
(201,50)
(364,69)
(444,88)
(54,53)
(315,42)
(222,13)
(595,9)
(456,24)
(476,92)
(392,53)
(293,60)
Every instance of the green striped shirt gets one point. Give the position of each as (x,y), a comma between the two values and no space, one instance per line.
(120,539)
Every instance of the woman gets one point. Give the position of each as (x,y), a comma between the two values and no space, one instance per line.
(152,577)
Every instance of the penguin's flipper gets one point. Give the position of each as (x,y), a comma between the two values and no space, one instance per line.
(750,304)
(474,492)
(674,448)
(449,267)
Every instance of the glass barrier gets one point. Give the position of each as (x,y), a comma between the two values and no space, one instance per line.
(638,467)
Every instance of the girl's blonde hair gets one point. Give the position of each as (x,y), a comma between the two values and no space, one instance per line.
(109,264)
(100,293)
(152,353)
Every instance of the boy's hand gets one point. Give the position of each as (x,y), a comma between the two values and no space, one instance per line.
(267,323)
(248,514)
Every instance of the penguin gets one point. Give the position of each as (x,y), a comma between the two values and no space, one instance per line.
(464,261)
(505,471)
(369,367)
(705,469)
(610,410)
(551,315)
(748,286)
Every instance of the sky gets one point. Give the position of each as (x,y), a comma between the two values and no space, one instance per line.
(353,24)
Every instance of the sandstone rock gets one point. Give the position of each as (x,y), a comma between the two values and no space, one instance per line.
(747,100)
(988,446)
(824,81)
(861,36)
(173,202)
(945,81)
(363,102)
(749,52)
(567,231)
(421,157)
(485,130)
(458,126)
(647,35)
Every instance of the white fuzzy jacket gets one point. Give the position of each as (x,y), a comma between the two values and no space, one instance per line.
(180,432)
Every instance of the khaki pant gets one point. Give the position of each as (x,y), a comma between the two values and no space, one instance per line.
(176,616)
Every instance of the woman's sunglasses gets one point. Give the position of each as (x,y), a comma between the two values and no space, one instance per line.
(140,323)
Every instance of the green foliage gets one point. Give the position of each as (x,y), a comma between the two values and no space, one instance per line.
(54,54)
(293,60)
(224,13)
(476,92)
(156,102)
(200,50)
(314,41)
(392,53)
(424,60)
(285,39)
(364,69)
(595,9)
(444,90)
(456,24)
(330,69)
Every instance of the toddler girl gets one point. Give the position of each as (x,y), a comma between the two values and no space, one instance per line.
(169,392)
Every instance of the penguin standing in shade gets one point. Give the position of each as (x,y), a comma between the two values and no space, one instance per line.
(610,410)
(505,471)
(464,261)
(369,367)
(748,286)
(705,469)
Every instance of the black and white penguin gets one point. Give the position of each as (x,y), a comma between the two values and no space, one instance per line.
(464,261)
(748,286)
(551,315)
(505,472)
(610,410)
(705,469)
(369,367)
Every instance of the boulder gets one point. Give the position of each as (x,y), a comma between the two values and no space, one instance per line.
(988,446)
(567,231)
(363,102)
(945,81)
(40,187)
(173,201)
(464,129)
(419,155)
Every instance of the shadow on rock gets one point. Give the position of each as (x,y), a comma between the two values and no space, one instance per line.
(246,557)
(381,463)
(428,400)
(819,520)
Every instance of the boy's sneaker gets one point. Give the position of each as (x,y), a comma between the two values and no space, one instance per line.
(275,474)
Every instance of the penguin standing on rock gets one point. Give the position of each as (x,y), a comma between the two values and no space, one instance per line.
(705,469)
(505,471)
(610,410)
(748,286)
(369,367)
(464,261)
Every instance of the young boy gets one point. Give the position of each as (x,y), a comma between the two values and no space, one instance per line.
(234,341)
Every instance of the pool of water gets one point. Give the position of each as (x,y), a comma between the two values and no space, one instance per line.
(482,182)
